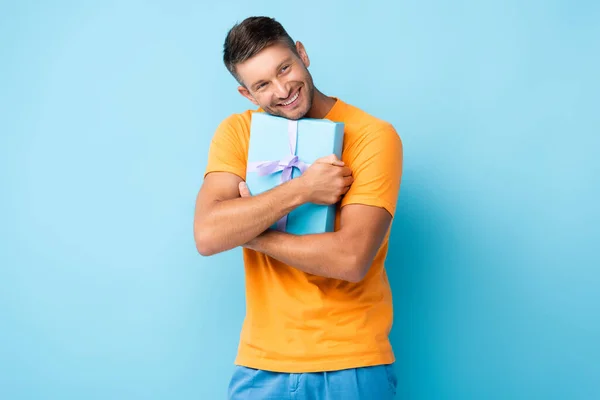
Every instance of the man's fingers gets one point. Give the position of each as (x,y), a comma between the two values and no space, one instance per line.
(327,159)
(244,191)
(348,180)
(331,159)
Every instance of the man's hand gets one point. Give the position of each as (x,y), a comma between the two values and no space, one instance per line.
(326,181)
(243,188)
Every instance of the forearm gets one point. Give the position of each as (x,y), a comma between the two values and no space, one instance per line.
(231,223)
(329,254)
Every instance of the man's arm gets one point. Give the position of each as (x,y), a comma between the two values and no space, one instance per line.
(346,254)
(366,214)
(224,220)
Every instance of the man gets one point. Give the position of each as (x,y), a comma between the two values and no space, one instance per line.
(318,307)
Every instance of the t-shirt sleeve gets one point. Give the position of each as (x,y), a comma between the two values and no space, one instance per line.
(376,164)
(228,149)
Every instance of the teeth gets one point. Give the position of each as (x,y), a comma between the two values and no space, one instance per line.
(292,99)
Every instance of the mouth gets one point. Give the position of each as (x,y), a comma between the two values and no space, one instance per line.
(292,102)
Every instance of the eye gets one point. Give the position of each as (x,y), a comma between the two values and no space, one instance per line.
(285,68)
(261,85)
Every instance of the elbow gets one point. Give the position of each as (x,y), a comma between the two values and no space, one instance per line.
(356,268)
(204,242)
(204,249)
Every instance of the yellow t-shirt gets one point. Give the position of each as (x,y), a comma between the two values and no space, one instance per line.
(297,322)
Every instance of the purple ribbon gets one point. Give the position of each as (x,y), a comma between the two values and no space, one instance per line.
(286,165)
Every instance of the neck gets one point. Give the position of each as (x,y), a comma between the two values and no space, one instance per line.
(321,105)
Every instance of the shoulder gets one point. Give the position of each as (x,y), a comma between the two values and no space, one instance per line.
(237,122)
(234,131)
(363,128)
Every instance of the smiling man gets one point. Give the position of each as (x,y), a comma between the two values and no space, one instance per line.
(318,307)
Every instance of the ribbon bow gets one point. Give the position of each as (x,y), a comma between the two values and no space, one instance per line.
(286,165)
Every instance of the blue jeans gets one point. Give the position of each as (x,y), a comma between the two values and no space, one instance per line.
(367,383)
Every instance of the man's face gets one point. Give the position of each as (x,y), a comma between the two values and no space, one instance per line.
(277,80)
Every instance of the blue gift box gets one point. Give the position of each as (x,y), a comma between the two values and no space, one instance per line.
(281,149)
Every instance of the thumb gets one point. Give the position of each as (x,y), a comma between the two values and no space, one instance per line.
(244,191)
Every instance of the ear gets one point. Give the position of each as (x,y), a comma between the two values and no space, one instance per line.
(302,53)
(246,93)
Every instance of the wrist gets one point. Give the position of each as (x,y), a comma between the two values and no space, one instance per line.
(250,245)
(300,190)
(255,244)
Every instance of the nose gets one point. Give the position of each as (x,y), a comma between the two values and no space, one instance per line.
(281,90)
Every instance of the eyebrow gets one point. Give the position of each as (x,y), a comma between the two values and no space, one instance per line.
(287,60)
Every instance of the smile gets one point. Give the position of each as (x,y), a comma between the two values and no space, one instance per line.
(292,101)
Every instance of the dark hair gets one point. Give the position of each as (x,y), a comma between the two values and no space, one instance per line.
(248,38)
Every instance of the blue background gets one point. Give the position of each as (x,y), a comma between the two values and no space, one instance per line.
(107,109)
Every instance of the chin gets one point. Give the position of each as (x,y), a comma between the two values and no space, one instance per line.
(292,114)
(295,115)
